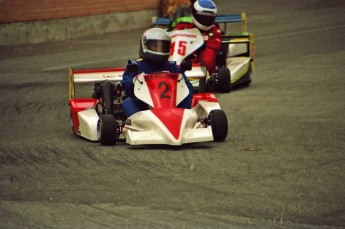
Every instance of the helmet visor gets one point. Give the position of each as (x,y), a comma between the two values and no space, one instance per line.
(160,46)
(205,18)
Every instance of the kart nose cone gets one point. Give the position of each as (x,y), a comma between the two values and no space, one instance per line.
(171,118)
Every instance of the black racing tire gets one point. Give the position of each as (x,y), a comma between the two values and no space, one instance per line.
(107,129)
(219,124)
(224,79)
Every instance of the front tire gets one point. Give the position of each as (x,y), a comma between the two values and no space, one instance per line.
(107,130)
(219,123)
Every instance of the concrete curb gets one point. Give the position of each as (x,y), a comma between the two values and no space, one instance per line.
(60,29)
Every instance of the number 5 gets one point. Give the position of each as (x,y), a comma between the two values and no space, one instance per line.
(182,46)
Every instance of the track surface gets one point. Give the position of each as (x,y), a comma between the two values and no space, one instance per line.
(282,165)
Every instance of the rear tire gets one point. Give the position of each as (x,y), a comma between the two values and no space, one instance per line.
(107,130)
(224,80)
(219,123)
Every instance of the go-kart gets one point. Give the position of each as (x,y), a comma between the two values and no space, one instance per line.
(235,61)
(163,123)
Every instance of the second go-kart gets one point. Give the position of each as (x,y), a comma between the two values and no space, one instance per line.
(235,60)
(163,123)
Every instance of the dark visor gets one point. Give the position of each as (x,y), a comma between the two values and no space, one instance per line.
(205,18)
(158,46)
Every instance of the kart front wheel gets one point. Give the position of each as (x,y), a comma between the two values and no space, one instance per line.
(224,79)
(219,124)
(107,130)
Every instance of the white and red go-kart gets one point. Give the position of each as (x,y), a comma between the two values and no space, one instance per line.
(164,123)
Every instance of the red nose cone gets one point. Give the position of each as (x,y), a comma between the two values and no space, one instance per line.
(171,118)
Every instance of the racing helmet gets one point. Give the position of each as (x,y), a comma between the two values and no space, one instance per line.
(204,14)
(155,45)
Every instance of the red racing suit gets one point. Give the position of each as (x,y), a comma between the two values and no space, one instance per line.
(213,40)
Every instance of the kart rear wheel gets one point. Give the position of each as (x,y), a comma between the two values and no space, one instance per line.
(224,79)
(107,129)
(219,122)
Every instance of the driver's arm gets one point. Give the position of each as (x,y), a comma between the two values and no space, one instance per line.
(127,83)
(214,38)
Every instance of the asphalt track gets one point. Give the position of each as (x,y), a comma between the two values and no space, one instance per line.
(281,166)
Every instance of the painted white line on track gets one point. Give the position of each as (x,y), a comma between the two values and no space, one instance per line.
(300,32)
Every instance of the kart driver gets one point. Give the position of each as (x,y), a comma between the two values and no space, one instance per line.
(203,17)
(154,51)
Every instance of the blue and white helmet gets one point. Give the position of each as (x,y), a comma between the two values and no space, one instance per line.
(204,14)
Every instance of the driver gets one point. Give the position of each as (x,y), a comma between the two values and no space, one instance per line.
(204,14)
(154,51)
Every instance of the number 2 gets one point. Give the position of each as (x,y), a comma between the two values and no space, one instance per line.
(166,90)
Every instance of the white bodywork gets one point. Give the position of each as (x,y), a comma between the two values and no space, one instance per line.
(184,43)
(238,65)
(146,128)
(88,124)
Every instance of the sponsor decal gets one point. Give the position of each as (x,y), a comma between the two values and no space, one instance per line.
(161,76)
(184,35)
